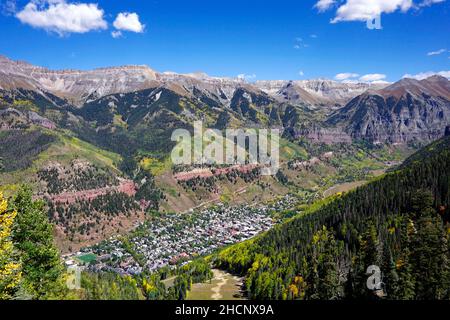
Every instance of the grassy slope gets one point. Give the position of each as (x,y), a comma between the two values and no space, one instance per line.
(65,149)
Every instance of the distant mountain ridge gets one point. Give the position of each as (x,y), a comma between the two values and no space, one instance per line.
(318,91)
(321,110)
(79,86)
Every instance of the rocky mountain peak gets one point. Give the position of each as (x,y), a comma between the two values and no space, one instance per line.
(407,110)
(432,86)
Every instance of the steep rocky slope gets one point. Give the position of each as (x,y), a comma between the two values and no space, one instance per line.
(404,111)
(315,92)
(83,86)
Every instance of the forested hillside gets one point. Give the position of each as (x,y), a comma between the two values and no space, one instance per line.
(398,222)
(30,264)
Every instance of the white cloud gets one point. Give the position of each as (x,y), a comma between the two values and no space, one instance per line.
(127,21)
(301,73)
(379,82)
(426,3)
(424,75)
(363,10)
(116,34)
(299,43)
(373,77)
(61,17)
(246,77)
(9,8)
(323,5)
(345,76)
(437,52)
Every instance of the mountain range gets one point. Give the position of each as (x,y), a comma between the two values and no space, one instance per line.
(82,86)
(324,110)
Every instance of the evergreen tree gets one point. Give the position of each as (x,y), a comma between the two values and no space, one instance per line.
(323,279)
(366,256)
(406,281)
(390,275)
(43,272)
(428,249)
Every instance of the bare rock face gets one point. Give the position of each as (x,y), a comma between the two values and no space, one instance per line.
(80,87)
(315,92)
(405,111)
(13,75)
(77,86)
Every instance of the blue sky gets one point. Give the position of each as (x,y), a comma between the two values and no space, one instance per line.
(281,39)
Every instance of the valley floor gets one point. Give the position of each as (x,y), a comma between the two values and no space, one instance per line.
(223,286)
(172,238)
(347,186)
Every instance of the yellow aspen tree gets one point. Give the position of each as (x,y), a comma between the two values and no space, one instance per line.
(10,273)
